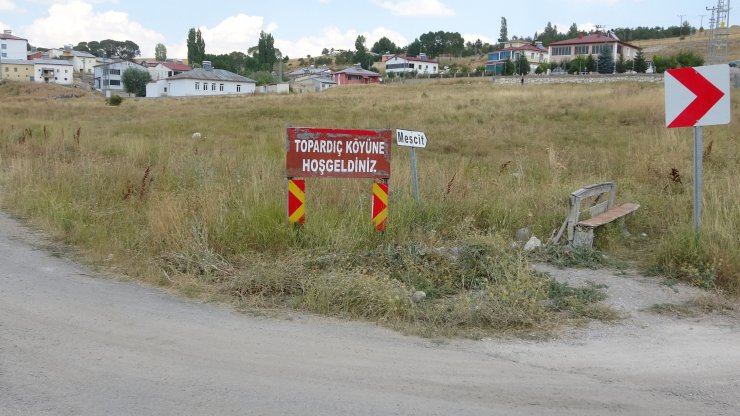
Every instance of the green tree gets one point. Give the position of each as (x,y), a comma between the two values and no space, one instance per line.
(135,80)
(504,32)
(509,67)
(384,45)
(522,65)
(639,64)
(361,55)
(605,60)
(572,32)
(196,47)
(160,52)
(266,57)
(621,65)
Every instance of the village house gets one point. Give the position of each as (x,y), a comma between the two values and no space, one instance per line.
(312,83)
(164,70)
(53,71)
(322,71)
(355,75)
(12,47)
(205,81)
(398,64)
(108,75)
(513,50)
(593,44)
(82,62)
(16,69)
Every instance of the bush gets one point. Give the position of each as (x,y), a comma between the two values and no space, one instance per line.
(114,100)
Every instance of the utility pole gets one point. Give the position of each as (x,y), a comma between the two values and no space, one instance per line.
(680,27)
(701,22)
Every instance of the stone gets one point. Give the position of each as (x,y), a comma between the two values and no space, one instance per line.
(418,296)
(532,244)
(523,234)
(197,136)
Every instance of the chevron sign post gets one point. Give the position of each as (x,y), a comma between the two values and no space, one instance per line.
(696,97)
(297,201)
(380,205)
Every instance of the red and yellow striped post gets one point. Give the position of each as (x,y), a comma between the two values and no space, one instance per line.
(297,201)
(380,205)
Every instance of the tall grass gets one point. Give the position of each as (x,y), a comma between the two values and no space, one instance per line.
(136,185)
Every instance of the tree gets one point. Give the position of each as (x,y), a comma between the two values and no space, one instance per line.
(509,67)
(135,80)
(639,64)
(621,66)
(504,33)
(196,47)
(325,51)
(110,48)
(522,65)
(572,32)
(361,55)
(266,57)
(160,52)
(384,45)
(605,60)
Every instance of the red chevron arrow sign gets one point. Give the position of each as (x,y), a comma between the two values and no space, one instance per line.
(698,96)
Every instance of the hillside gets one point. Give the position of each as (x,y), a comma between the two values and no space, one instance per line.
(696,43)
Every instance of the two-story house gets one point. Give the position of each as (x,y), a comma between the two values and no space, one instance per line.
(108,74)
(82,62)
(398,64)
(593,44)
(12,47)
(513,50)
(53,71)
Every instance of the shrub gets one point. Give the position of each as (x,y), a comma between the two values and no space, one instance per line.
(114,100)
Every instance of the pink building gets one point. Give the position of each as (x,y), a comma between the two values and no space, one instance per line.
(355,75)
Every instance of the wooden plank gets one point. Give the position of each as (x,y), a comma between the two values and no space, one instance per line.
(610,215)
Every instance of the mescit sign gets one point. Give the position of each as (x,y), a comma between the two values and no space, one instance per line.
(338,153)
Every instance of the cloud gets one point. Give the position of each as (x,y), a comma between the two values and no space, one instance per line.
(472,37)
(333,38)
(55,30)
(7,6)
(235,33)
(416,7)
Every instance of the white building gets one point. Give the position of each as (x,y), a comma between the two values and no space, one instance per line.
(53,71)
(421,65)
(164,70)
(83,62)
(205,81)
(108,74)
(12,47)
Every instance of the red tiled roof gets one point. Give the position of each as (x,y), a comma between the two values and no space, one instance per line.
(525,48)
(590,39)
(177,67)
(10,37)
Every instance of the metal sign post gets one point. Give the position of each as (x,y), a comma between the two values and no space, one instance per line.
(698,156)
(696,97)
(412,140)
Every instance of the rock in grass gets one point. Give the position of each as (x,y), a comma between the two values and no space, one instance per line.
(418,296)
(532,244)
(197,136)
(523,234)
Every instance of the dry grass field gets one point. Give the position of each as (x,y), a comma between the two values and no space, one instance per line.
(132,189)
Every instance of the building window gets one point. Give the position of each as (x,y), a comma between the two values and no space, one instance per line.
(221,87)
(561,50)
(115,82)
(213,86)
(169,73)
(238,88)
(4,46)
(581,50)
(197,86)
(5,55)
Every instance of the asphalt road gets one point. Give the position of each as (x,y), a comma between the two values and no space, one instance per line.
(72,343)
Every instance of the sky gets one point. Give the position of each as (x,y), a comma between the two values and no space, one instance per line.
(305,27)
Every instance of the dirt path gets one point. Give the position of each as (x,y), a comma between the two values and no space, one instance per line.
(76,344)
